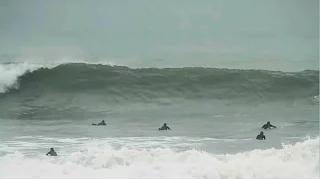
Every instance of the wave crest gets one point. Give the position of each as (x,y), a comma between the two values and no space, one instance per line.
(149,83)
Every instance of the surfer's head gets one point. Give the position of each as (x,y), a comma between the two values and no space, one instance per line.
(165,124)
(268,122)
(102,120)
(51,149)
(261,133)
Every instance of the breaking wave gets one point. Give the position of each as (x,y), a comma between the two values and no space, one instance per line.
(292,161)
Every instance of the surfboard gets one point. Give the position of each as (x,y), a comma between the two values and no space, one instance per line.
(271,128)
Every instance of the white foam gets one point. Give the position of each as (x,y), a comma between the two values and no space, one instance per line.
(33,58)
(292,161)
(10,72)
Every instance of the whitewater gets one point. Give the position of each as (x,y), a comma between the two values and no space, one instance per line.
(300,160)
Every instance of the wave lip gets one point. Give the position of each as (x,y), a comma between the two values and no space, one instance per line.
(11,72)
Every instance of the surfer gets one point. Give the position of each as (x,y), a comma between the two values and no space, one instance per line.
(268,126)
(102,123)
(261,136)
(51,152)
(164,127)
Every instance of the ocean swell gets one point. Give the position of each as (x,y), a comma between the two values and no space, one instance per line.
(149,83)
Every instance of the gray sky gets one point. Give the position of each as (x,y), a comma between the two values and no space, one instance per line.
(286,29)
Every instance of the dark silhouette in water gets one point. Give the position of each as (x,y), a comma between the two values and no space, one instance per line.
(51,152)
(164,127)
(268,126)
(261,136)
(102,123)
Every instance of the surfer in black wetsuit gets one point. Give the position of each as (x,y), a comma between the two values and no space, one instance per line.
(102,123)
(268,126)
(51,152)
(261,136)
(164,127)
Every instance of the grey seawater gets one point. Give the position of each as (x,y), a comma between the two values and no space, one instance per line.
(215,126)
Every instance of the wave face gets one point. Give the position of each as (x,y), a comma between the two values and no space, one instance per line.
(102,161)
(151,83)
(68,90)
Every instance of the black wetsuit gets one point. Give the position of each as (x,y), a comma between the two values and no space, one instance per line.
(268,126)
(102,124)
(261,137)
(164,128)
(52,153)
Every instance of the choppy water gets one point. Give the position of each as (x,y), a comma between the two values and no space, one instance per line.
(214,114)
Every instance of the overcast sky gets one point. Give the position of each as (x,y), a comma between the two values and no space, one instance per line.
(159,27)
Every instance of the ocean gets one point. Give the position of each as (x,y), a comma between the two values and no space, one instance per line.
(214,114)
(214,71)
